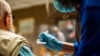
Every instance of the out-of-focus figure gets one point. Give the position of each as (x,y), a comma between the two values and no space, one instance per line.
(69,31)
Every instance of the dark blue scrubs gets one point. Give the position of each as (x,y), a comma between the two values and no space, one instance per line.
(90,33)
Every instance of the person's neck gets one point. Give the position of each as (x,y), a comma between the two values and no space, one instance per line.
(4,28)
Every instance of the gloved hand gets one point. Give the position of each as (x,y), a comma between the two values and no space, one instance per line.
(51,41)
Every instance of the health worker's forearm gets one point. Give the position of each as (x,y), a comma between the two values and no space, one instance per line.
(68,48)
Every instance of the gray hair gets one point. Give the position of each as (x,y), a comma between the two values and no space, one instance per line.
(4,7)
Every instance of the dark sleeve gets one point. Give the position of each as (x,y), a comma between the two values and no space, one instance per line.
(76,45)
(25,51)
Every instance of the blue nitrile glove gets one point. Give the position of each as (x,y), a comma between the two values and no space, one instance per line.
(51,41)
(63,9)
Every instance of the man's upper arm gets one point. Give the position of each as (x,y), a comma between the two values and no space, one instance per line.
(25,51)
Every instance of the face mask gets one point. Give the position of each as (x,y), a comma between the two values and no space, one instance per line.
(63,9)
(70,27)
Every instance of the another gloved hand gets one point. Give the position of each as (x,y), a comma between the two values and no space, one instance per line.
(51,41)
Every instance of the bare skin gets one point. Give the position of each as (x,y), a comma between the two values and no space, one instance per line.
(68,48)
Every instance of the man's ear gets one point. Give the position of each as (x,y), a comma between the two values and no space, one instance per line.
(6,19)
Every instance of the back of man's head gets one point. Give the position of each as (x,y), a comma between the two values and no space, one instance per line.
(6,21)
(4,7)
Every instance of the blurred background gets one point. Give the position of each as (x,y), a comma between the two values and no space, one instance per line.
(32,17)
